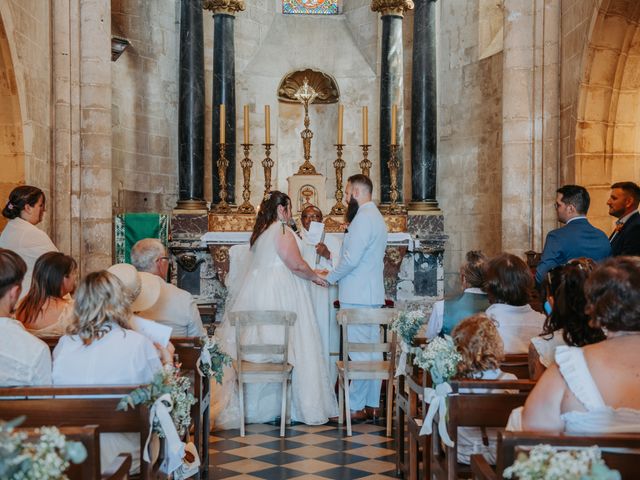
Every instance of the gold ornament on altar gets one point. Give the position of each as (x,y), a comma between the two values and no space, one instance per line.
(246,165)
(394,208)
(339,164)
(306,95)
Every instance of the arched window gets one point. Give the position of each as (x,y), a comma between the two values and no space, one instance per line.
(310,7)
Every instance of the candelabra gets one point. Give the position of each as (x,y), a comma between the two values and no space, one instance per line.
(246,165)
(395,208)
(222,164)
(339,164)
(267,164)
(365,163)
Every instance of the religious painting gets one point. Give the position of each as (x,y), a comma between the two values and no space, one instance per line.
(310,7)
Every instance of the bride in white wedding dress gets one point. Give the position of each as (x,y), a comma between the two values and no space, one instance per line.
(275,277)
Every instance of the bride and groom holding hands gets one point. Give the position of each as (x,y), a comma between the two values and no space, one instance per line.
(276,277)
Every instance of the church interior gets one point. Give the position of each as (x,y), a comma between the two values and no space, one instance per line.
(466,115)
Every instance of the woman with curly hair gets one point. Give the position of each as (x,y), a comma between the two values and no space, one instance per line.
(595,389)
(567,322)
(479,342)
(101,349)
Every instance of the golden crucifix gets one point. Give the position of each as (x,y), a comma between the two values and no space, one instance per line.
(306,95)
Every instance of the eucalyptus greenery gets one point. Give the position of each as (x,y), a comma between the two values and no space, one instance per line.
(544,462)
(46,459)
(213,366)
(168,380)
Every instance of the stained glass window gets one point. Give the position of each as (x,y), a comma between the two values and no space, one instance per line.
(310,7)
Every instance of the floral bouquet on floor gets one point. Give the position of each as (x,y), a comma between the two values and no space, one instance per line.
(406,325)
(46,459)
(440,357)
(212,360)
(544,462)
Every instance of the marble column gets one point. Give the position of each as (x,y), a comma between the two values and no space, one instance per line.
(191,108)
(424,131)
(391,87)
(224,90)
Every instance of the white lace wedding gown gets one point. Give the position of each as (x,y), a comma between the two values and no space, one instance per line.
(267,284)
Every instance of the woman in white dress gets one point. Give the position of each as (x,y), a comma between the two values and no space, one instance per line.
(276,278)
(47,308)
(595,389)
(567,322)
(25,209)
(101,349)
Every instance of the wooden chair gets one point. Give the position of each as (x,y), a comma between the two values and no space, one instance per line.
(119,468)
(620,451)
(365,370)
(79,406)
(250,372)
(516,363)
(473,410)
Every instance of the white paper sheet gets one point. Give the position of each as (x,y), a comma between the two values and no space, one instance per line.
(315,233)
(154,331)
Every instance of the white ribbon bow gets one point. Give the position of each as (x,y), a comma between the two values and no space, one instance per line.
(174,447)
(205,358)
(437,400)
(402,360)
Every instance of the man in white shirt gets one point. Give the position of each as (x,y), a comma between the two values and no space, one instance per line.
(175,308)
(24,359)
(324,256)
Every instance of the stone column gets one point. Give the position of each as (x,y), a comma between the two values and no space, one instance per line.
(424,131)
(224,90)
(391,87)
(191,108)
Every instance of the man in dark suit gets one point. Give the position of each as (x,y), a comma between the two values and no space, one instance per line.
(623,204)
(578,238)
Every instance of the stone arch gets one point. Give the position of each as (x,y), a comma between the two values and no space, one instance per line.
(607,136)
(12,148)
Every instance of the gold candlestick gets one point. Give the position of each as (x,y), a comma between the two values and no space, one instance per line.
(222,164)
(339,164)
(267,164)
(246,165)
(365,163)
(393,164)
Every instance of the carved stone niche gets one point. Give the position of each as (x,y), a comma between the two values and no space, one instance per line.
(325,86)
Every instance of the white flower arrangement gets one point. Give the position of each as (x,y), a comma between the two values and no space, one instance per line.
(544,462)
(212,360)
(166,381)
(440,357)
(46,459)
(407,324)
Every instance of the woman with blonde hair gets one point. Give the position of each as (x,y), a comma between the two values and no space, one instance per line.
(479,342)
(46,309)
(101,349)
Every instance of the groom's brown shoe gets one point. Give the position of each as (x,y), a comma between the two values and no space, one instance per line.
(372,412)
(359,415)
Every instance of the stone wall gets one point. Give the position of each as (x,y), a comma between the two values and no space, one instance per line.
(145,106)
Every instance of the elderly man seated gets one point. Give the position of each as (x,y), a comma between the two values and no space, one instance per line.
(175,308)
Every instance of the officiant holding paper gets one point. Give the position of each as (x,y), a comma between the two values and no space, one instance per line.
(322,252)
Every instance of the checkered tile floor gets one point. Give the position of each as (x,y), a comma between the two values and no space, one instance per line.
(307,452)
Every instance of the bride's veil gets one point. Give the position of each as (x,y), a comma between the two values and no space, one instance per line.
(239,261)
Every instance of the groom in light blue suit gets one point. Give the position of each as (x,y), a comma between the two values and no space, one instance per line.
(359,275)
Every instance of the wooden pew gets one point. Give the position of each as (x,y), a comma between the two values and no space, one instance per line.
(516,363)
(620,451)
(473,410)
(90,469)
(188,352)
(76,407)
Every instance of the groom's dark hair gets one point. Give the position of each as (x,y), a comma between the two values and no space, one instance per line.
(268,213)
(362,180)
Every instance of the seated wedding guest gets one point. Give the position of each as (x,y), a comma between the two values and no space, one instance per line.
(566,323)
(478,341)
(446,314)
(46,309)
(595,389)
(508,282)
(175,307)
(25,209)
(24,359)
(142,289)
(101,349)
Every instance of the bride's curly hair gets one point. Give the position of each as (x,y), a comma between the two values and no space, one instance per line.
(268,213)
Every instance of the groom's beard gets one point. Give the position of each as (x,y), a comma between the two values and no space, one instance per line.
(352,209)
